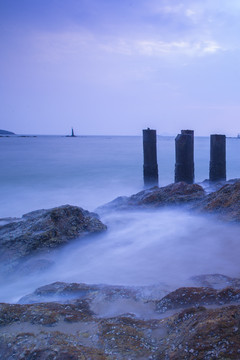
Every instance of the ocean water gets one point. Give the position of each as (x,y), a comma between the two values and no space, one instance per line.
(165,246)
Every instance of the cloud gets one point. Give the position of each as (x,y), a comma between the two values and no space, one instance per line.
(79,44)
(158,48)
(187,48)
(190,12)
(150,29)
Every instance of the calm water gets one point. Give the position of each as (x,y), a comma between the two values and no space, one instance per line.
(47,171)
(140,247)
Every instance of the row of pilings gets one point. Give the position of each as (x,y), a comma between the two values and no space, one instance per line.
(184,154)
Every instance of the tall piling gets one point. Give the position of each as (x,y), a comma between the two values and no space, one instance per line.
(150,167)
(184,151)
(217,168)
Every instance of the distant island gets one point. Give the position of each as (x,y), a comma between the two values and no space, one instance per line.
(5,132)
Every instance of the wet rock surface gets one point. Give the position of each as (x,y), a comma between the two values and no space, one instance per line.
(54,330)
(201,333)
(62,292)
(173,194)
(221,198)
(194,296)
(45,229)
(225,202)
(216,281)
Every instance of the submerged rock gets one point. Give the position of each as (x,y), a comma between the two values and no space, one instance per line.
(44,230)
(66,292)
(173,194)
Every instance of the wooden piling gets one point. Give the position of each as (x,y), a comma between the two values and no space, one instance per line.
(184,150)
(217,168)
(150,167)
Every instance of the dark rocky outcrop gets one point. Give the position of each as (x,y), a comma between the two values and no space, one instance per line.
(199,333)
(194,296)
(5,132)
(225,202)
(195,333)
(173,194)
(42,230)
(73,330)
(215,281)
(44,313)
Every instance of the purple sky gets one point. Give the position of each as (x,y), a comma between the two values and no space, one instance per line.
(116,67)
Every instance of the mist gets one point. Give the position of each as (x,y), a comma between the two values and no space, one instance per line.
(140,248)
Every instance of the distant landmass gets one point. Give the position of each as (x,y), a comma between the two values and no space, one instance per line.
(5,132)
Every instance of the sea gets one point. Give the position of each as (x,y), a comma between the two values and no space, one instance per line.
(141,247)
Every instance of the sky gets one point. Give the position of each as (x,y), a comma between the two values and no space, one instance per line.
(114,67)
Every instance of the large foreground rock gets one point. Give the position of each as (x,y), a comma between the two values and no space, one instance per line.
(73,330)
(44,230)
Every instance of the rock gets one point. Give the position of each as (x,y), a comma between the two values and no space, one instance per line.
(177,299)
(200,333)
(66,292)
(104,300)
(216,281)
(44,313)
(194,296)
(5,132)
(42,230)
(225,202)
(52,345)
(177,193)
(73,331)
(173,194)
(126,338)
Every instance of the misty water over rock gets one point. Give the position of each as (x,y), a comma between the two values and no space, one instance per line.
(141,247)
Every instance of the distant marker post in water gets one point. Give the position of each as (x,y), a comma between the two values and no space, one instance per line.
(150,167)
(184,150)
(217,168)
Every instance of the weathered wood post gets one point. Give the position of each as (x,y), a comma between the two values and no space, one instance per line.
(217,168)
(150,167)
(184,150)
